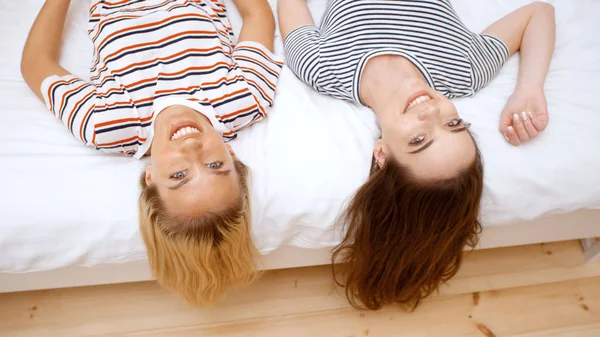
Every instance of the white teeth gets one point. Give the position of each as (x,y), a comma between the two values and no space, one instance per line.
(417,101)
(188,130)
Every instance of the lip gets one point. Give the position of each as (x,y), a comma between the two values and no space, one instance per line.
(183,124)
(413,97)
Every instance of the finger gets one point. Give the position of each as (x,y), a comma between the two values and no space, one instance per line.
(539,124)
(512,136)
(505,121)
(504,125)
(520,128)
(531,130)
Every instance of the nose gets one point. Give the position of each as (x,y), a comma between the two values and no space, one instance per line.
(429,111)
(191,145)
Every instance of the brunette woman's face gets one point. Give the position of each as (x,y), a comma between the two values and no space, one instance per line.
(426,134)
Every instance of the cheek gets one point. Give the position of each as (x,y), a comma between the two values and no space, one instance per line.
(405,126)
(214,144)
(163,156)
(448,109)
(167,152)
(396,135)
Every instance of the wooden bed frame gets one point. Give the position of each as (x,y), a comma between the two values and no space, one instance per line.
(583,224)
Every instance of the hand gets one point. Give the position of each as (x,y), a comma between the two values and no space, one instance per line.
(524,116)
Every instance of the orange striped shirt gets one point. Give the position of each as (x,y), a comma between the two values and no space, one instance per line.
(152,53)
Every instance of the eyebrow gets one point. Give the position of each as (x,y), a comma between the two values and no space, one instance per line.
(459,130)
(221,173)
(422,148)
(181,183)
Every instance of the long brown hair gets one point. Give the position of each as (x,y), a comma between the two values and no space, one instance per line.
(403,238)
(199,258)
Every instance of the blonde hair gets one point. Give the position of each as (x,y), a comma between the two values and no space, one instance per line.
(199,258)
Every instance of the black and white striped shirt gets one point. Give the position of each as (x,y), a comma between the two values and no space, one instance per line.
(453,60)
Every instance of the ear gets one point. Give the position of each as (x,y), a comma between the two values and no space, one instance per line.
(230,151)
(379,153)
(148,175)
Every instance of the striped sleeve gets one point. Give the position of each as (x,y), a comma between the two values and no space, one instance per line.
(260,70)
(72,101)
(302,54)
(94,14)
(488,53)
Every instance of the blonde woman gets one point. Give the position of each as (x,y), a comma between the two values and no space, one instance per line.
(166,79)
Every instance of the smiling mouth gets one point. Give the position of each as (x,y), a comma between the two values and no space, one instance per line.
(418,100)
(184,131)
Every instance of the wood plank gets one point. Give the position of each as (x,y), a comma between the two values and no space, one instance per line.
(592,330)
(128,307)
(568,307)
(520,266)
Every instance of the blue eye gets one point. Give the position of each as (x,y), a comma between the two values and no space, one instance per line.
(215,165)
(455,122)
(417,140)
(179,175)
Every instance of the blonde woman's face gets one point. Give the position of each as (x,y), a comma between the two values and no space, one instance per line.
(191,166)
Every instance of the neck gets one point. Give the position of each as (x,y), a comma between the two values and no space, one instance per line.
(382,80)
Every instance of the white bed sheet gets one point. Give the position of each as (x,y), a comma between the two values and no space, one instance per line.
(62,204)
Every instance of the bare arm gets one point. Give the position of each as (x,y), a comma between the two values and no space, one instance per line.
(41,52)
(259,24)
(293,14)
(529,30)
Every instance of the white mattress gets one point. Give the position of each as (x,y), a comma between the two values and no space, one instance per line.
(62,204)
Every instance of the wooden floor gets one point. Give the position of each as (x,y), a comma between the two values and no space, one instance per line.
(537,290)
